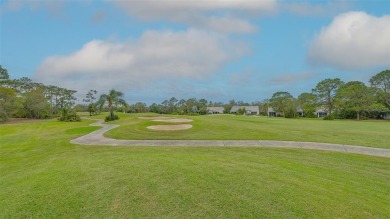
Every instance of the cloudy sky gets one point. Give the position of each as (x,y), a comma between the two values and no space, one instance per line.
(213,49)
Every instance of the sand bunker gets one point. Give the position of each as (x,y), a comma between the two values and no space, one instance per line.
(169,127)
(173,120)
(166,119)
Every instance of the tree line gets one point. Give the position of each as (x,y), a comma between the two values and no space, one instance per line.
(25,98)
(110,102)
(343,100)
(194,106)
(339,99)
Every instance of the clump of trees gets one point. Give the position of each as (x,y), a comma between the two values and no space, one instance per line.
(284,103)
(174,106)
(341,100)
(381,81)
(111,102)
(89,99)
(114,101)
(69,115)
(191,106)
(24,98)
(308,103)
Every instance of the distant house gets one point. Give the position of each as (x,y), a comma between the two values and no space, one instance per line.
(249,110)
(321,112)
(271,112)
(215,109)
(300,112)
(385,115)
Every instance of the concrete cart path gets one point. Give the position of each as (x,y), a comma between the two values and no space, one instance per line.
(97,138)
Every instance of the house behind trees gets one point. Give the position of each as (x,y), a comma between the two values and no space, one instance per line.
(320,112)
(215,109)
(249,110)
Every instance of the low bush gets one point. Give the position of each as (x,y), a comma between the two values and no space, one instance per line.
(329,117)
(310,114)
(70,118)
(111,118)
(66,116)
(3,115)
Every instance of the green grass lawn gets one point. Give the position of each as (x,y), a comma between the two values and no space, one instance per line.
(44,176)
(229,127)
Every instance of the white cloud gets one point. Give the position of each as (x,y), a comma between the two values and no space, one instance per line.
(102,65)
(353,40)
(218,15)
(318,8)
(54,8)
(225,24)
(173,9)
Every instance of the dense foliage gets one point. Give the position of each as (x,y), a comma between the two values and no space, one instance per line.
(339,99)
(25,98)
(334,97)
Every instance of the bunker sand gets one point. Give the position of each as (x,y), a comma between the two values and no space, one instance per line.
(169,127)
(166,119)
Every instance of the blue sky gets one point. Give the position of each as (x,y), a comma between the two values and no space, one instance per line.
(218,50)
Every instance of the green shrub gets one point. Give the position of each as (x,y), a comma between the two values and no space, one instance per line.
(111,118)
(329,117)
(70,118)
(290,113)
(3,115)
(310,114)
(67,116)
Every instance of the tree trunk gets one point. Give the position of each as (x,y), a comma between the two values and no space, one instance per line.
(110,109)
(358,115)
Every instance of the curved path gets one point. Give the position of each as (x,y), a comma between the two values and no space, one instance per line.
(97,138)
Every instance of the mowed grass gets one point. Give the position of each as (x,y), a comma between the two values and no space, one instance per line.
(229,127)
(44,176)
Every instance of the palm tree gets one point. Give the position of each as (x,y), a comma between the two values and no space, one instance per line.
(113,97)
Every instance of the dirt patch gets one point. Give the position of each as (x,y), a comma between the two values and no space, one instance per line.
(169,127)
(173,120)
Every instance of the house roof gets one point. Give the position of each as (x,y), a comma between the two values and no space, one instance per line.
(247,108)
(321,110)
(270,110)
(215,108)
